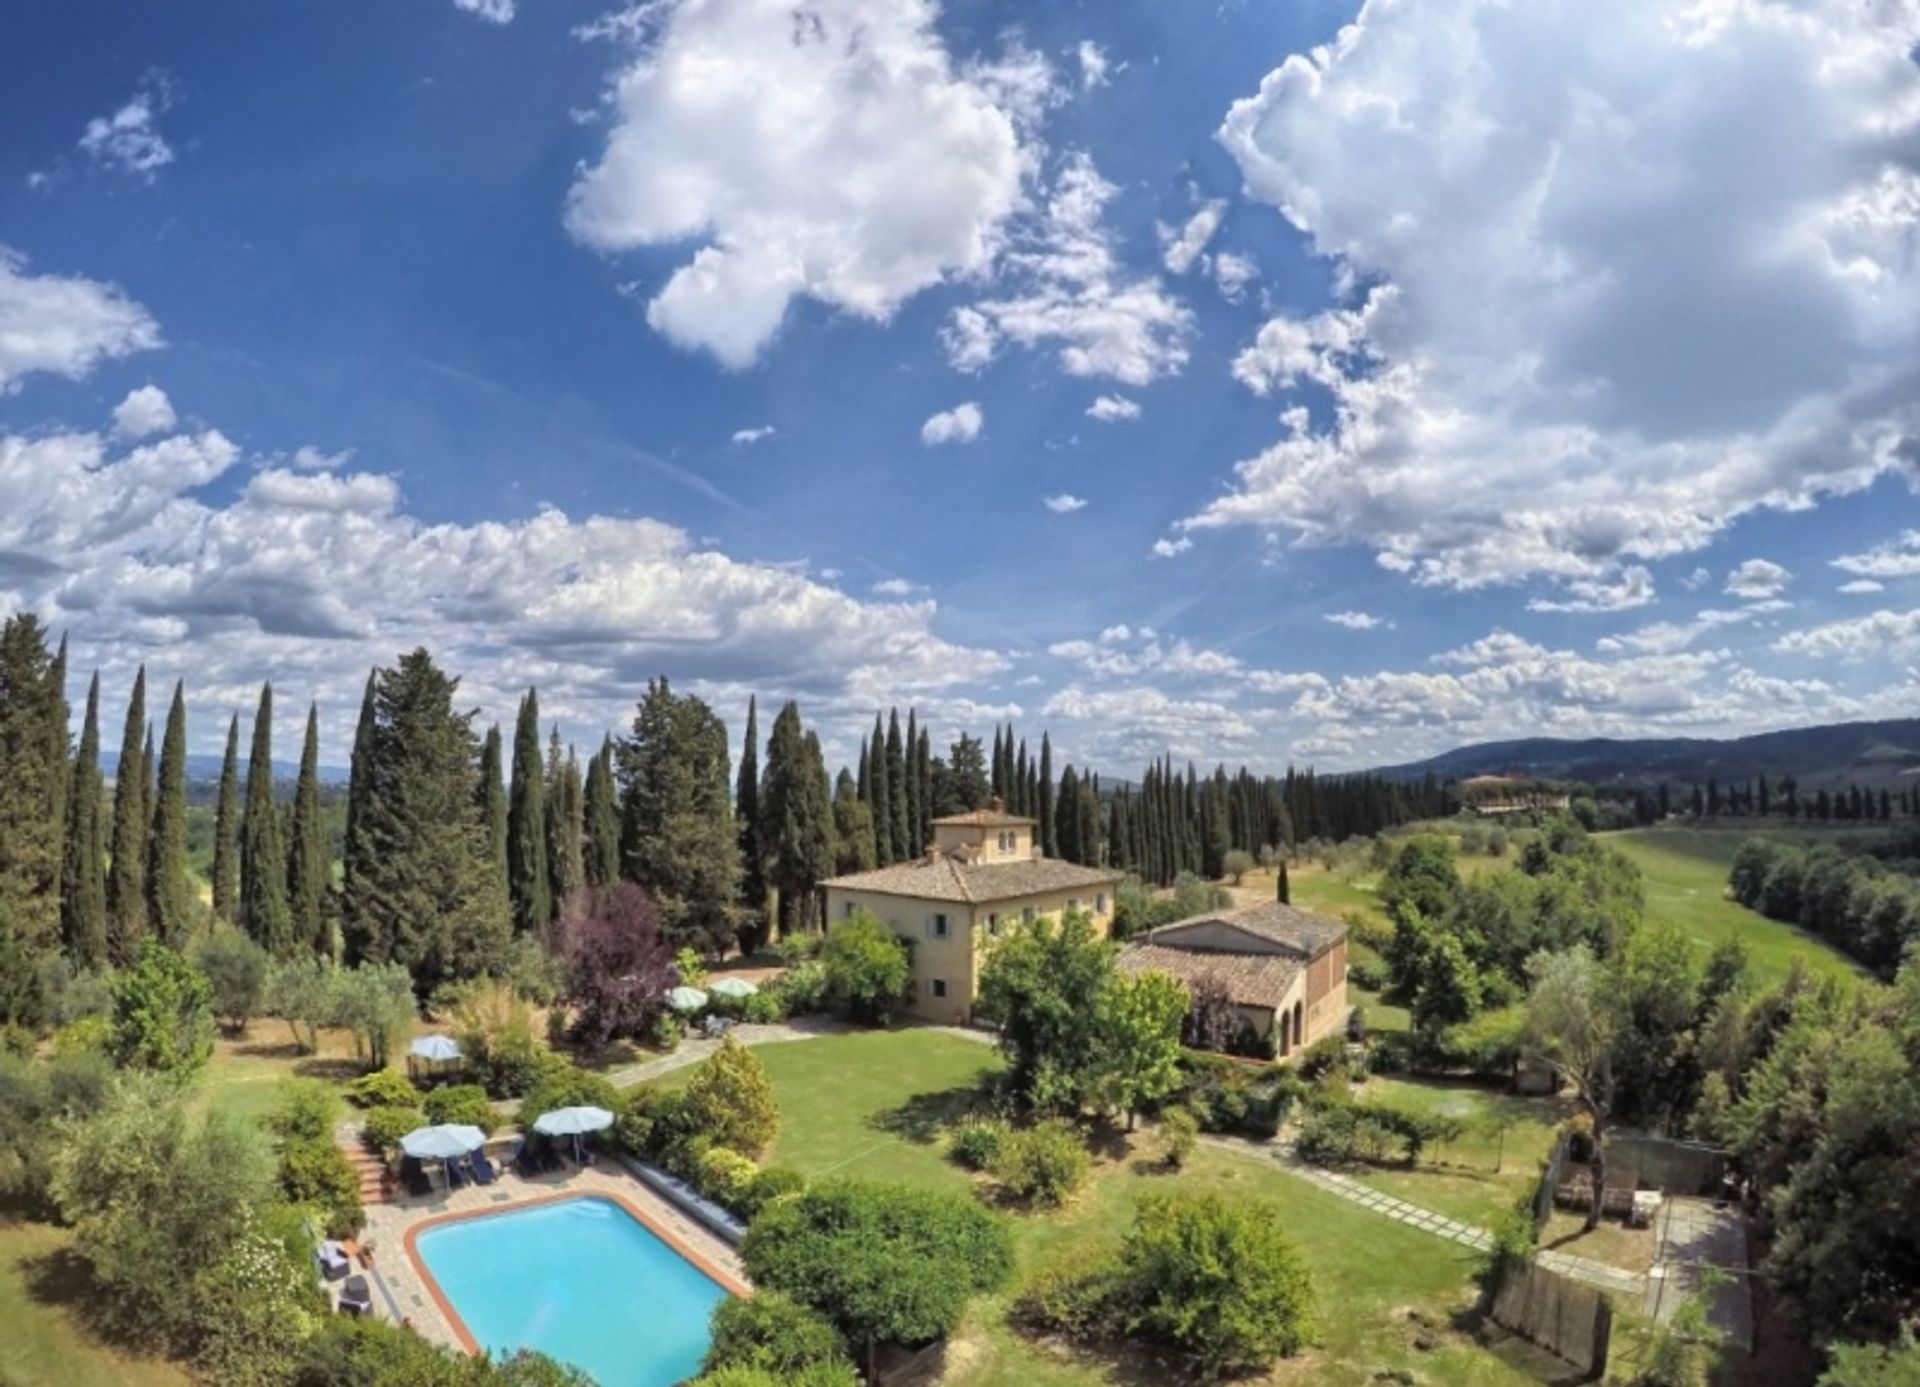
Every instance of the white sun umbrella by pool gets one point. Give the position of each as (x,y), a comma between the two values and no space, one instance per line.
(446,1142)
(735,988)
(573,1122)
(686,999)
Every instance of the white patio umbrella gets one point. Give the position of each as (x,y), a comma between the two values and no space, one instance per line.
(435,1047)
(573,1122)
(446,1142)
(686,999)
(735,988)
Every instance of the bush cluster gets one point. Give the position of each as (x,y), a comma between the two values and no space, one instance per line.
(711,1132)
(1846,898)
(384,1126)
(1234,1099)
(1043,1165)
(1340,1131)
(465,1104)
(976,1141)
(383,1088)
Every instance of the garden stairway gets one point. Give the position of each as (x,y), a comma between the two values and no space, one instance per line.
(375,1185)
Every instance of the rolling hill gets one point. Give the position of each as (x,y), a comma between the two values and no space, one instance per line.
(1869,753)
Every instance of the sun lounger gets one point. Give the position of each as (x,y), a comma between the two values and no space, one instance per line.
(356,1297)
(525,1160)
(414,1175)
(550,1158)
(482,1169)
(457,1178)
(333,1260)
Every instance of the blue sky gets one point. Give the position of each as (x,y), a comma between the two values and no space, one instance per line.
(1267,382)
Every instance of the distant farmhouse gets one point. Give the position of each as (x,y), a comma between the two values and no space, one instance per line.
(1285,969)
(1493,795)
(981,874)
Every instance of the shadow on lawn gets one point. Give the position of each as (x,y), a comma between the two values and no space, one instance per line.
(924,1116)
(64,1280)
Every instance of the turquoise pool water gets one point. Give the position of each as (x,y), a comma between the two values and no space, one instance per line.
(581,1280)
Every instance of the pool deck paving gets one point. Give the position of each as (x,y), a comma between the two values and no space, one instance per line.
(404,1291)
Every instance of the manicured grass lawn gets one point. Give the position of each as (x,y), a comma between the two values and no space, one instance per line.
(1686,877)
(873,1104)
(42,1342)
(1460,1179)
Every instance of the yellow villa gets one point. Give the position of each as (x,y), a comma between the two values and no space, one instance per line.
(981,873)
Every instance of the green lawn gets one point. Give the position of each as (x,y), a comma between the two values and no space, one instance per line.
(42,1342)
(1686,877)
(873,1104)
(1478,1177)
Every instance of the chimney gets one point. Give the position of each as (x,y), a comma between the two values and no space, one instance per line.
(933,853)
(997,805)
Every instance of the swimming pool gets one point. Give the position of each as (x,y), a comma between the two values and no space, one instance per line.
(581,1280)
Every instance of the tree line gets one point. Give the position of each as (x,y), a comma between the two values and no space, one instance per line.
(1847,898)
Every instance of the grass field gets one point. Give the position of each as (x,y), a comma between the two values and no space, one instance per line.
(1478,1177)
(1686,876)
(42,1341)
(874,1105)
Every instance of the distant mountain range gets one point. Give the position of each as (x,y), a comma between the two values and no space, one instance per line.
(208,768)
(1868,753)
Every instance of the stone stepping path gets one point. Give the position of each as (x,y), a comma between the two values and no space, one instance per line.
(1608,1278)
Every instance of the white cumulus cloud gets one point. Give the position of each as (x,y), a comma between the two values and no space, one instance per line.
(1602,297)
(146,410)
(129,140)
(492,11)
(1757,579)
(834,151)
(1355,621)
(1109,409)
(1064,504)
(65,325)
(1897,558)
(1182,246)
(961,424)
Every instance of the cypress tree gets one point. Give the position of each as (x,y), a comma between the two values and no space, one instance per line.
(923,768)
(852,828)
(127,874)
(566,862)
(83,886)
(1017,801)
(167,894)
(796,819)
(226,830)
(603,820)
(529,887)
(425,893)
(307,864)
(882,800)
(863,785)
(264,911)
(997,783)
(746,812)
(33,791)
(493,798)
(360,849)
(1049,844)
(911,752)
(896,789)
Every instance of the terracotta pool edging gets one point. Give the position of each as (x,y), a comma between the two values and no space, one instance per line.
(701,1263)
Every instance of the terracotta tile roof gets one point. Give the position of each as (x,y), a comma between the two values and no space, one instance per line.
(1286,925)
(1253,980)
(944,878)
(985,818)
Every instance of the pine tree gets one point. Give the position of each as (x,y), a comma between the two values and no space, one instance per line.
(308,865)
(83,880)
(603,820)
(425,893)
(677,835)
(33,789)
(493,798)
(127,873)
(796,820)
(896,789)
(566,863)
(226,830)
(168,900)
(264,911)
(529,887)
(882,797)
(746,812)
